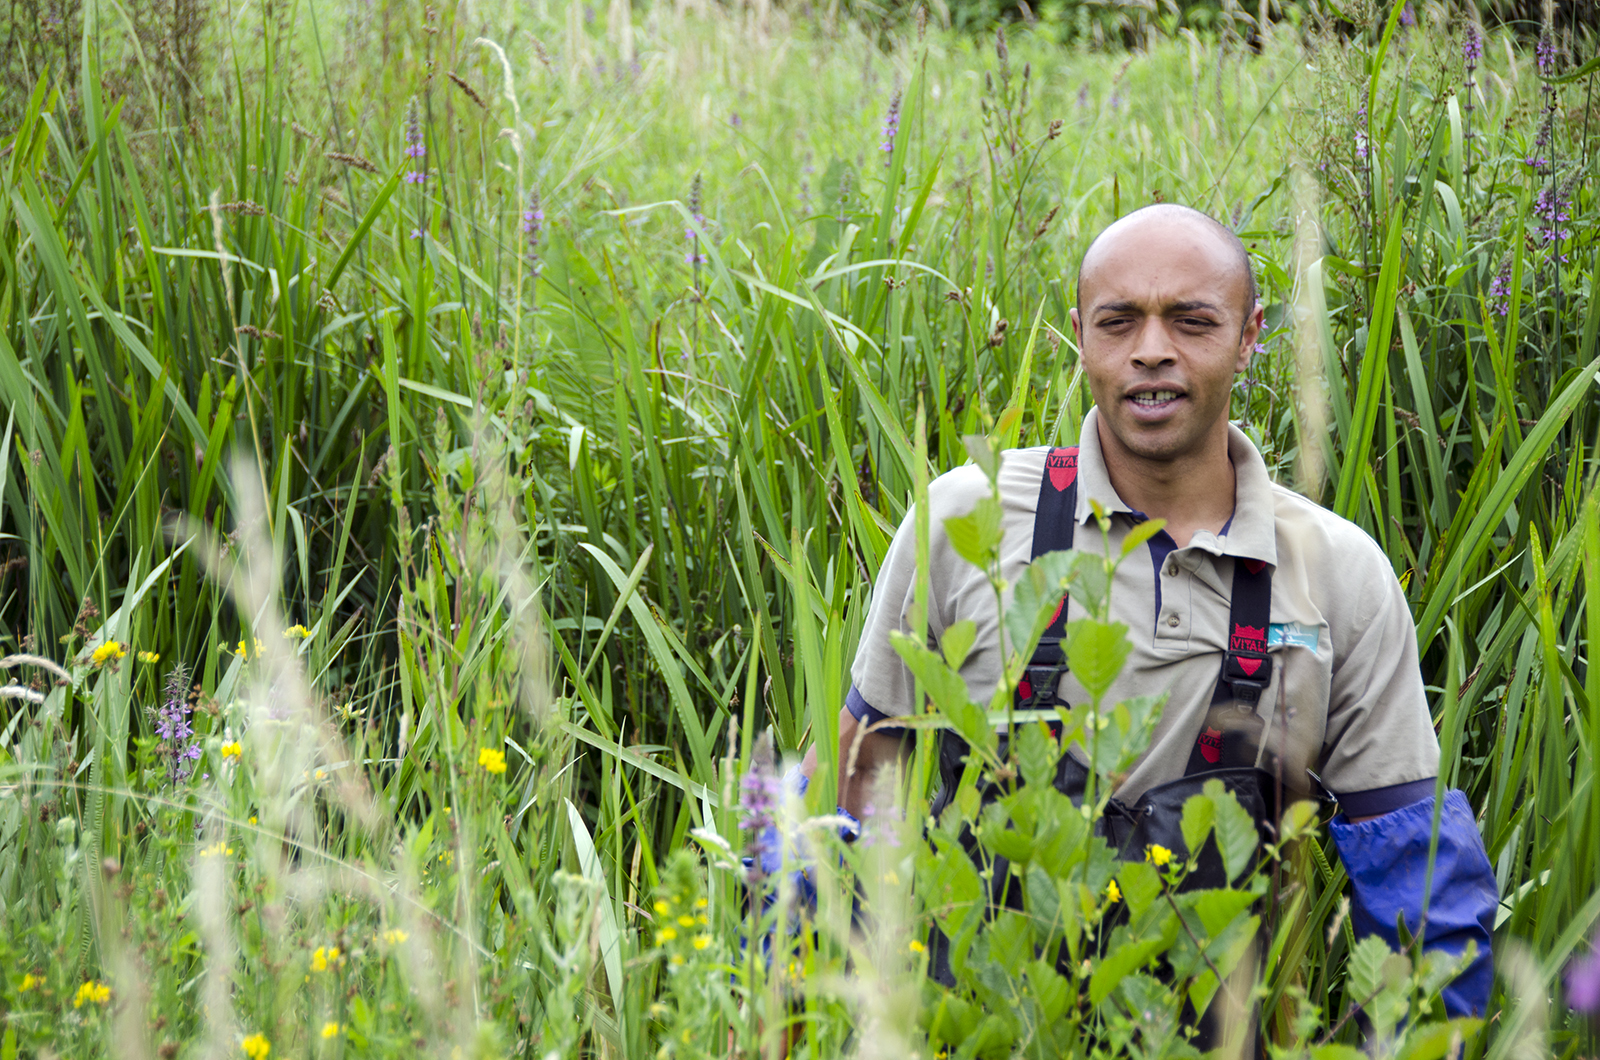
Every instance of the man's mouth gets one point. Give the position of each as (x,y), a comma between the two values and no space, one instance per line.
(1153,399)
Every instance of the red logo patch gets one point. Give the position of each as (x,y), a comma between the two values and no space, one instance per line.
(1025,689)
(1247,638)
(1210,743)
(1249,666)
(1063,467)
(1255,566)
(1057,614)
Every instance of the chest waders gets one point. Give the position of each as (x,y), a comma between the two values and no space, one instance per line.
(1226,750)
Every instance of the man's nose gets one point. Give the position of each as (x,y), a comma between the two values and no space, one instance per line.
(1153,348)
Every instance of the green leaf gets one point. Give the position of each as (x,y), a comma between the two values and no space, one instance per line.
(1050,989)
(976,535)
(957,642)
(1096,651)
(1219,908)
(1044,904)
(1199,812)
(1334,1051)
(1364,971)
(1141,533)
(1141,885)
(1128,957)
(1236,830)
(946,688)
(1037,754)
(1011,941)
(1439,1040)
(983,453)
(1038,593)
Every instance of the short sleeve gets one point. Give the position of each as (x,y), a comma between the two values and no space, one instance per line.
(880,676)
(1379,731)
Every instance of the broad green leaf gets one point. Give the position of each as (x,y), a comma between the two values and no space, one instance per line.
(957,642)
(976,535)
(1235,830)
(1128,957)
(1096,651)
(1050,989)
(1199,812)
(1439,1040)
(1141,885)
(1037,754)
(1141,533)
(983,454)
(946,688)
(1364,970)
(1011,941)
(1219,908)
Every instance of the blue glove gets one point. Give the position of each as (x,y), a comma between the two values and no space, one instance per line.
(1387,859)
(769,844)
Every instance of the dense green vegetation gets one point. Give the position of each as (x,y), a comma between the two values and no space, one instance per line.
(571,441)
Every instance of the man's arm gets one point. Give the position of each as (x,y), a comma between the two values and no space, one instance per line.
(871,750)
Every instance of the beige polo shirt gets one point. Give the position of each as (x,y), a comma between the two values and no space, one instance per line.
(1346,696)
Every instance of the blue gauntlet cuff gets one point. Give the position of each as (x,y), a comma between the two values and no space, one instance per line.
(1387,859)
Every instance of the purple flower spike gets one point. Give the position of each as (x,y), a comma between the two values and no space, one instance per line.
(891,124)
(1407,18)
(172,726)
(533,228)
(1583,982)
(414,146)
(1472,45)
(1545,53)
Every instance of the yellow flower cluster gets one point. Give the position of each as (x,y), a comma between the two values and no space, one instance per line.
(232,749)
(330,1029)
(29,982)
(1113,892)
(1157,855)
(394,936)
(149,657)
(917,947)
(256,1047)
(297,632)
(324,956)
(110,651)
(492,760)
(215,849)
(245,651)
(91,992)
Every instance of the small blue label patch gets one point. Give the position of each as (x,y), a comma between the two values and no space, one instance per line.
(1293,635)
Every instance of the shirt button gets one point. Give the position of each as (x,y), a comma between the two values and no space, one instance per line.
(1172,620)
(1172,569)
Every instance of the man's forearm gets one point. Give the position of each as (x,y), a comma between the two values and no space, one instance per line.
(866,751)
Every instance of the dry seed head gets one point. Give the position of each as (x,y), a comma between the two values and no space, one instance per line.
(461,83)
(243,207)
(357,161)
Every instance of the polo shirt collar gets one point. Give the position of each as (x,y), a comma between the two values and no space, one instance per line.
(1250,534)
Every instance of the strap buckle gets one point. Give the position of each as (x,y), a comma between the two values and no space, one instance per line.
(1042,682)
(1247,673)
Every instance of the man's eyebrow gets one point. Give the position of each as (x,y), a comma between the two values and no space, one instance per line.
(1125,306)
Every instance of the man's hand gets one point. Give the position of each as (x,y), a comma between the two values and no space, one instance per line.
(871,751)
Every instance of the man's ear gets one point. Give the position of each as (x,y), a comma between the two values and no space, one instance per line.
(1077,326)
(1248,336)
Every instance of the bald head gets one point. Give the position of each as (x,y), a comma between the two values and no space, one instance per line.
(1207,235)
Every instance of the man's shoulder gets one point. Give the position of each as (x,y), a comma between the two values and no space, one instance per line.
(958,489)
(1323,542)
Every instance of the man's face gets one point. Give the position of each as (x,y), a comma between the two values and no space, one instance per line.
(1163,330)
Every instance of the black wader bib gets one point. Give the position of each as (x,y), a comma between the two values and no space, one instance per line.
(1226,750)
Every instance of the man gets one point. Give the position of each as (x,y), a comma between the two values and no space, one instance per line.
(1166,318)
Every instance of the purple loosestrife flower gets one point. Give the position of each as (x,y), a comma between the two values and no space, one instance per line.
(414,145)
(533,228)
(173,728)
(1500,290)
(1545,53)
(1407,18)
(891,126)
(1583,981)
(1361,133)
(761,797)
(1472,46)
(692,234)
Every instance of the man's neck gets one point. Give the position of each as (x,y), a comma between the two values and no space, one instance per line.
(1192,493)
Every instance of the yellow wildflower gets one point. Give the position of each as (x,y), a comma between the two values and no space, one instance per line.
(323,956)
(677,960)
(244,652)
(1157,855)
(330,1029)
(666,934)
(91,991)
(702,919)
(30,981)
(702,941)
(298,632)
(1113,892)
(110,651)
(232,749)
(661,907)
(215,849)
(492,760)
(917,947)
(394,936)
(149,657)
(701,903)
(686,921)
(256,1047)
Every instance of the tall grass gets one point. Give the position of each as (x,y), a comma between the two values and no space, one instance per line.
(611,503)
